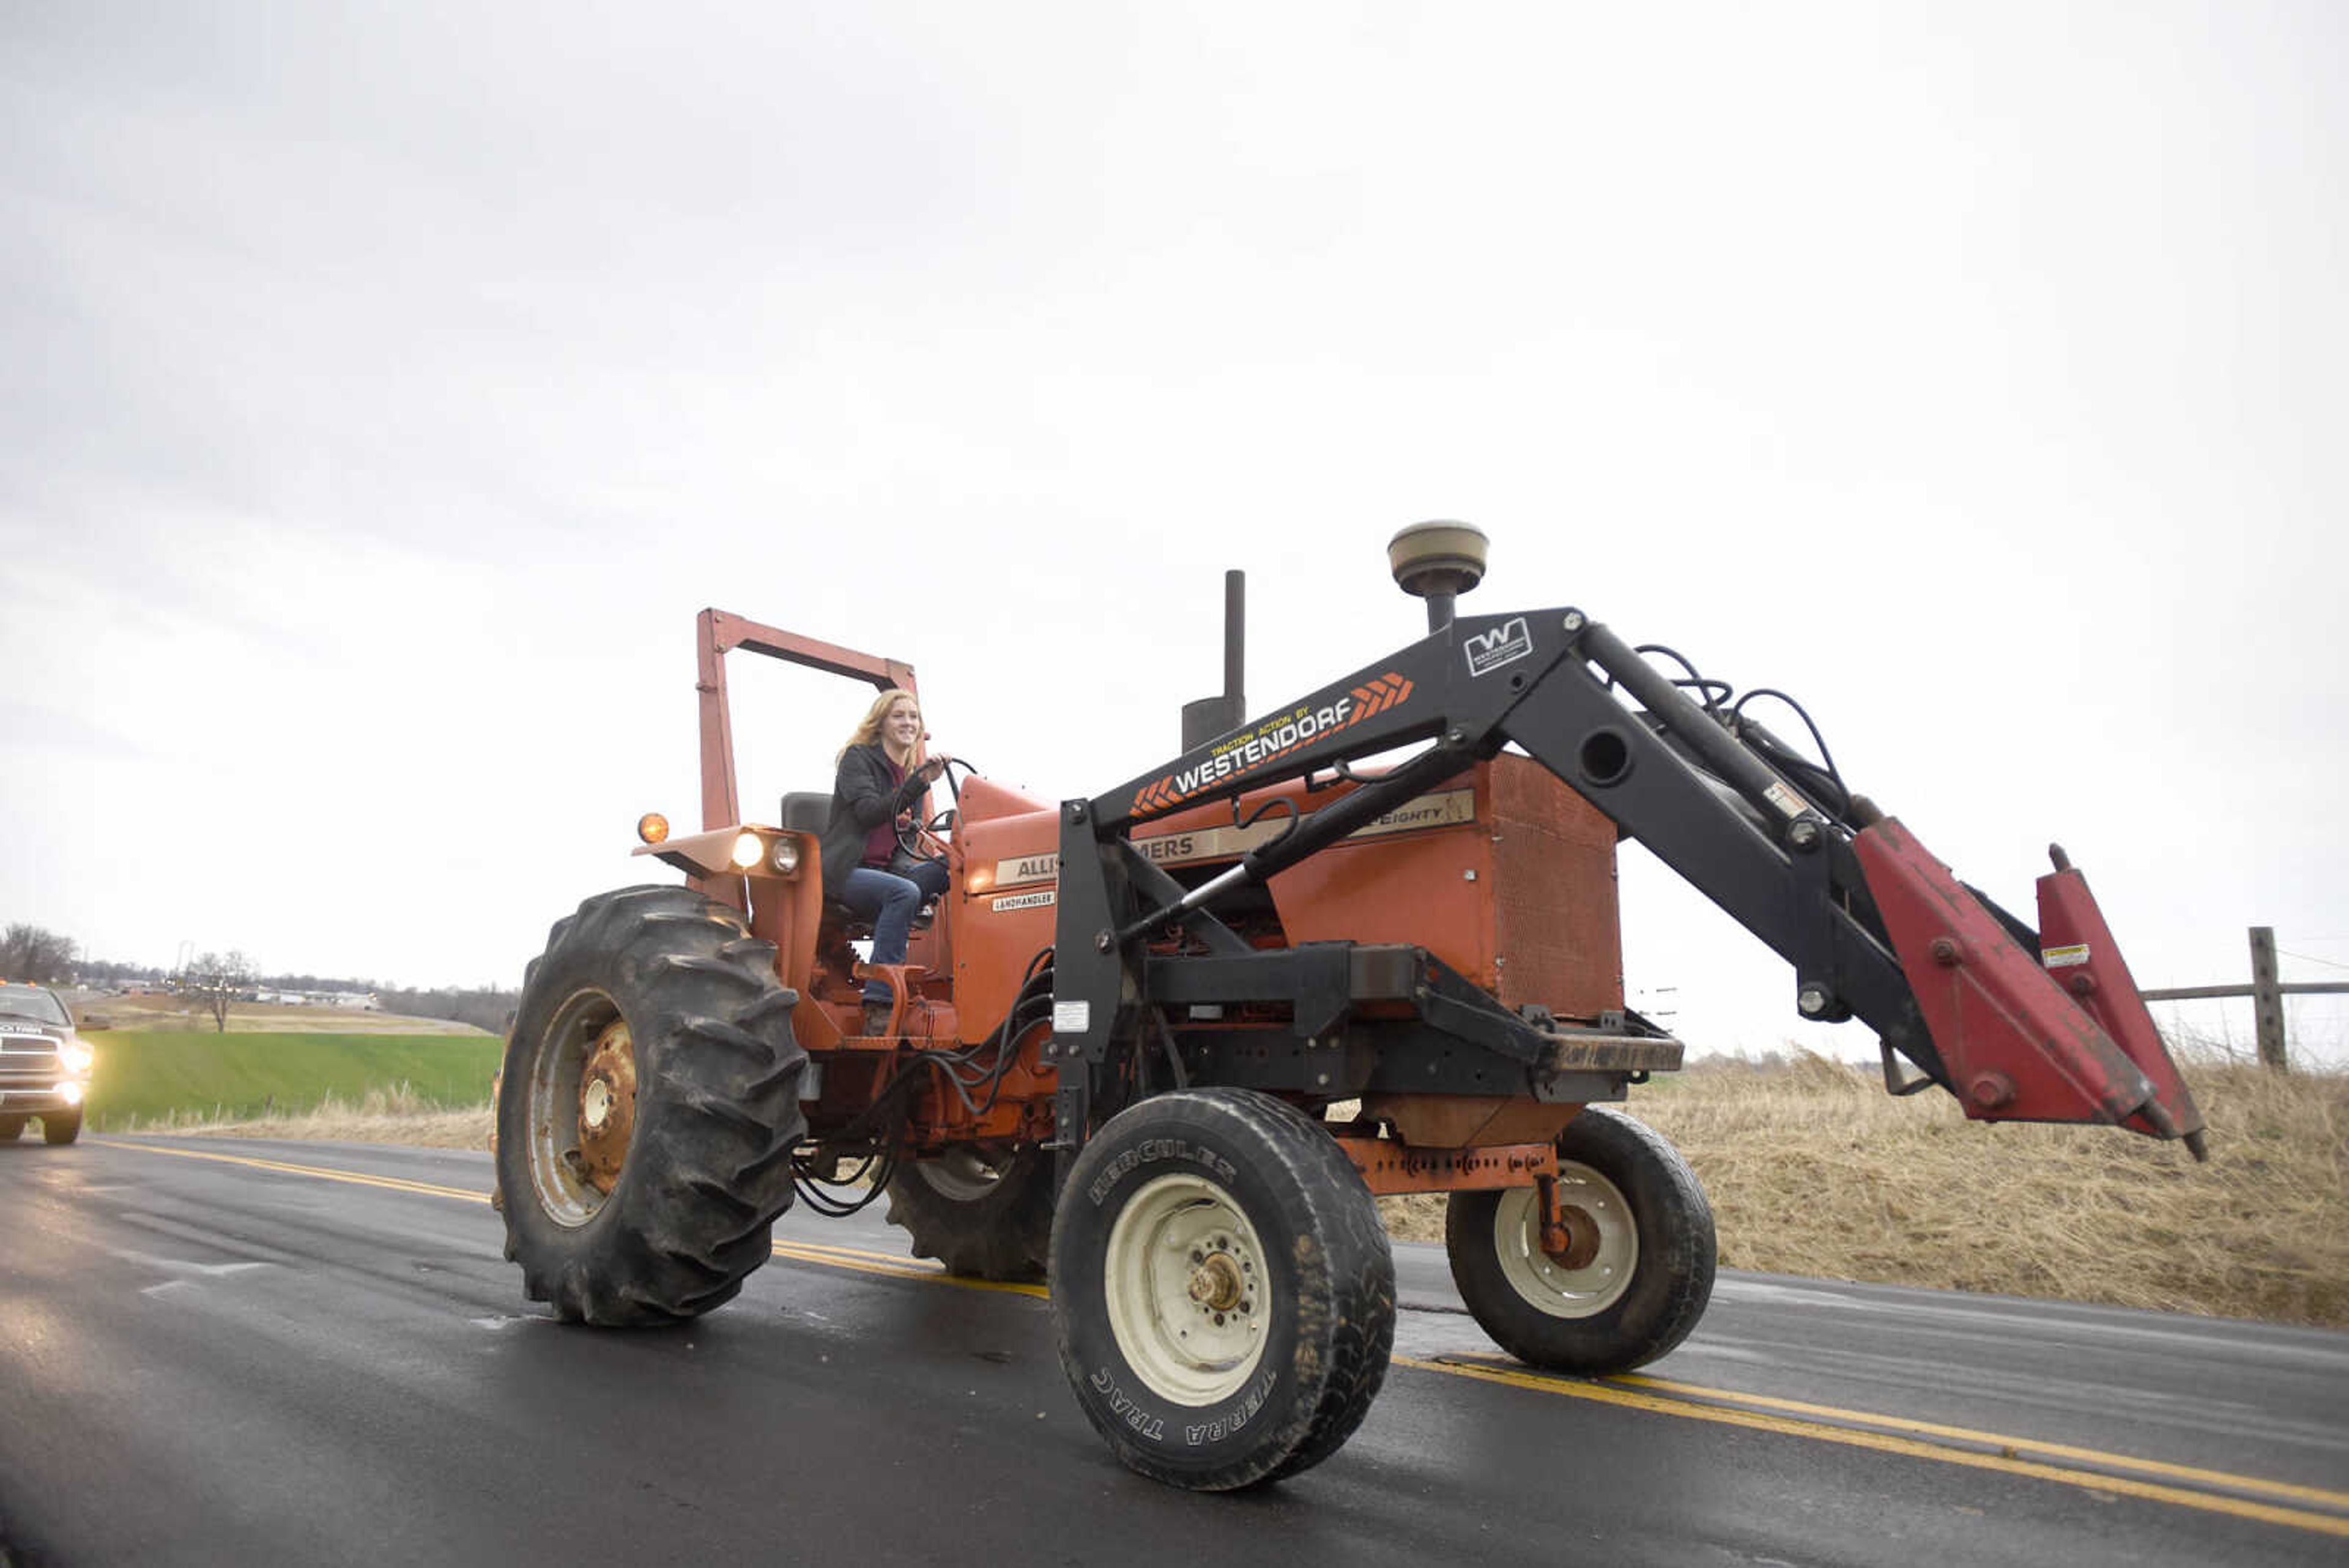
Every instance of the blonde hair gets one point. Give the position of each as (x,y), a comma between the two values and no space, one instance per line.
(868,728)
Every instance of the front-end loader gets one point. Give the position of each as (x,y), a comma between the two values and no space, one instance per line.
(1162,1045)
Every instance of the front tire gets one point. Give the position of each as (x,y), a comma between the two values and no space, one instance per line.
(11,1127)
(1630,1289)
(986,1215)
(1222,1289)
(646,1110)
(59,1128)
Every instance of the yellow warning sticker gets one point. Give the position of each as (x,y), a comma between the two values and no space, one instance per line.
(2064,958)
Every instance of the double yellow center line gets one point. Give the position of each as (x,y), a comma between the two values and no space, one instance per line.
(2294,1506)
(2093,1470)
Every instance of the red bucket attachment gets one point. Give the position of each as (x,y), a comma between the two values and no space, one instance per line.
(2069,1042)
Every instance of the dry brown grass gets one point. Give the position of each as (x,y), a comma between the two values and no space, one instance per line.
(1813,1170)
(396,1115)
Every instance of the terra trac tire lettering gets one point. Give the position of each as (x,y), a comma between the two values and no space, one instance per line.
(1222,1289)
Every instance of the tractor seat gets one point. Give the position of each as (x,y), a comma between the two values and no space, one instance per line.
(807,811)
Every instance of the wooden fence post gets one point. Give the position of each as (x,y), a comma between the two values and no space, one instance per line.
(2267,999)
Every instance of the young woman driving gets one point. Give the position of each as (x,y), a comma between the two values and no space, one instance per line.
(879,789)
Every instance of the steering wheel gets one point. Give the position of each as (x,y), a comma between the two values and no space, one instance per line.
(910,836)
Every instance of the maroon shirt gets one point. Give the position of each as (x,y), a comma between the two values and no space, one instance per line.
(882,841)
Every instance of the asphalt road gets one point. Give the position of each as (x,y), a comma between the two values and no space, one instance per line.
(232,1351)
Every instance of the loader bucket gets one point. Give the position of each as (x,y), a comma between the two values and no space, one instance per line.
(2018,1043)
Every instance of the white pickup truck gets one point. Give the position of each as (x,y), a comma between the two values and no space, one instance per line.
(44,1065)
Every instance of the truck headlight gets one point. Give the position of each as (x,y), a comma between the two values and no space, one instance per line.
(749,851)
(75,1056)
(785,857)
(69,1093)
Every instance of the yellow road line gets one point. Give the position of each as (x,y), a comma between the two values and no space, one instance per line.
(1884,1442)
(904,1268)
(2011,1446)
(1726,1407)
(397,1184)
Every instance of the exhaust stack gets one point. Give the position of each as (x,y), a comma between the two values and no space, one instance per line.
(1209,717)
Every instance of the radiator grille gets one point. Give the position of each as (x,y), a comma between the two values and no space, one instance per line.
(27,1061)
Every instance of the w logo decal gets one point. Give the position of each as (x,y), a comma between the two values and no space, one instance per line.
(1504,644)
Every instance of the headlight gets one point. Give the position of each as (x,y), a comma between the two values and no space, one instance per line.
(749,851)
(76,1056)
(69,1093)
(785,857)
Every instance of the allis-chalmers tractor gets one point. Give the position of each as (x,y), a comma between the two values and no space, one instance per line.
(1161,1046)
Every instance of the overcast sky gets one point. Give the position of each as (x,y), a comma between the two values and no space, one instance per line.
(385,388)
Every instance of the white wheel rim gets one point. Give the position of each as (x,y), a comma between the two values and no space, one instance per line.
(556,1107)
(1547,1285)
(1188,1291)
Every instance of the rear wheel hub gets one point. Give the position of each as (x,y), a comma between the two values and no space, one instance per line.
(607,1105)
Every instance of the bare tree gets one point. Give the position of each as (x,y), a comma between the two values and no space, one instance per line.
(217,981)
(29,952)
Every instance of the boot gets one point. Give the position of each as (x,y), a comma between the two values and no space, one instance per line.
(876,1019)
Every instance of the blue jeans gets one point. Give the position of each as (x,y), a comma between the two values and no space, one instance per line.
(891,901)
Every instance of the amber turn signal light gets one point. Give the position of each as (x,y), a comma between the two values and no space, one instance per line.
(652,827)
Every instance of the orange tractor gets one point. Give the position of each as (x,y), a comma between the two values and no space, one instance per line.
(1161,1046)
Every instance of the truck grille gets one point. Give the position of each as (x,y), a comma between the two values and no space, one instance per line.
(27,1061)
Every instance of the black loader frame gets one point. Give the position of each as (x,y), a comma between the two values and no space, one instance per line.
(1712,799)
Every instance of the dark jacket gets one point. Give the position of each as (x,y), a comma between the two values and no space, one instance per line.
(863,798)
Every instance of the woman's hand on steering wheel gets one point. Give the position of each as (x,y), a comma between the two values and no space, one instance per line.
(910,834)
(947,766)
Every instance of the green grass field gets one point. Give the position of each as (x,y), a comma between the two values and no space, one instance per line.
(148,1075)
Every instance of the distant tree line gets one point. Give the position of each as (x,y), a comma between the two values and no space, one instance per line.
(46,958)
(106,971)
(485,1008)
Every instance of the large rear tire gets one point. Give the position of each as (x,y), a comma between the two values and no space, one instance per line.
(1222,1289)
(646,1110)
(59,1127)
(1635,1284)
(987,1214)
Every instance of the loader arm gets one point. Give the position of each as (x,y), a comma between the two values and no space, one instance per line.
(1872,924)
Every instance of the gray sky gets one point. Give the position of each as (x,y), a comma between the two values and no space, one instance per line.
(386,387)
